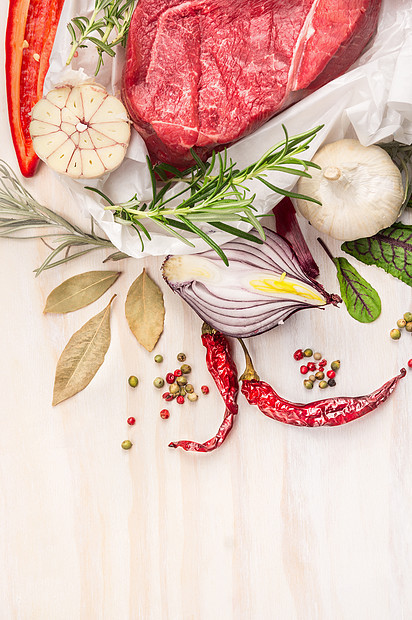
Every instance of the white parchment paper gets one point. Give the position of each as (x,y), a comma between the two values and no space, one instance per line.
(372,101)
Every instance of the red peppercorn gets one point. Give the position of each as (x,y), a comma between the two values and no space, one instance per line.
(410,363)
(177,373)
(167,396)
(170,378)
(304,370)
(298,355)
(205,389)
(323,363)
(180,399)
(331,374)
(311,366)
(164,414)
(131,421)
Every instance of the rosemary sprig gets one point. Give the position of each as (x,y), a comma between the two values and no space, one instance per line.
(110,17)
(20,212)
(215,193)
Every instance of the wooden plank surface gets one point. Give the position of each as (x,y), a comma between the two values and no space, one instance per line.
(280,522)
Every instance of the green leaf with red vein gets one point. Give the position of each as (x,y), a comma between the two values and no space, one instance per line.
(390,249)
(361,300)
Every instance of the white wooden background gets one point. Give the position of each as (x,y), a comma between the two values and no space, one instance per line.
(280,522)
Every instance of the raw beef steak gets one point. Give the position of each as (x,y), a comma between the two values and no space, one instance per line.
(203,73)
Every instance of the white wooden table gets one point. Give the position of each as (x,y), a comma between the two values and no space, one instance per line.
(280,522)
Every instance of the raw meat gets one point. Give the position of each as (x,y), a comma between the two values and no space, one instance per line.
(203,73)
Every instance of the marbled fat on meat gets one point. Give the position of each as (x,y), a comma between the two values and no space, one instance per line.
(204,73)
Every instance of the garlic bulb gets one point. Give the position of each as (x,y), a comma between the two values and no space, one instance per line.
(360,189)
(81,131)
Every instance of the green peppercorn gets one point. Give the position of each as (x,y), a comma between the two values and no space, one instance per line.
(158,359)
(181,357)
(401,323)
(323,385)
(133,381)
(331,382)
(408,317)
(335,365)
(158,382)
(312,378)
(320,375)
(192,396)
(174,388)
(395,334)
(126,445)
(317,356)
(186,369)
(181,380)
(308,352)
(308,384)
(189,388)
(408,326)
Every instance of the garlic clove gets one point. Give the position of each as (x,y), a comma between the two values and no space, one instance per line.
(75,103)
(116,131)
(69,117)
(84,140)
(74,169)
(110,155)
(59,96)
(111,110)
(100,140)
(41,128)
(60,158)
(68,138)
(92,165)
(47,144)
(48,112)
(68,128)
(93,97)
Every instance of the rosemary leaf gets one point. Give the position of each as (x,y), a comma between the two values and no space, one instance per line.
(110,20)
(214,192)
(19,211)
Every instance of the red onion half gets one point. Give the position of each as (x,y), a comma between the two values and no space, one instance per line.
(261,288)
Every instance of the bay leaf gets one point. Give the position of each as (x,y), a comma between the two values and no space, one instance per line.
(82,356)
(145,311)
(80,291)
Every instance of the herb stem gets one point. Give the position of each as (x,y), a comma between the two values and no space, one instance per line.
(216,191)
(107,16)
(19,212)
(325,247)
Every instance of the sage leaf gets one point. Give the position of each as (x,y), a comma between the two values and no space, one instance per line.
(390,249)
(80,291)
(145,311)
(361,299)
(82,356)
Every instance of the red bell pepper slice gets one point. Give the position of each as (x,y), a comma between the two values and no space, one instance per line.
(31,29)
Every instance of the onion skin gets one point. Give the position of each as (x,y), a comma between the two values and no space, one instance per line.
(262,287)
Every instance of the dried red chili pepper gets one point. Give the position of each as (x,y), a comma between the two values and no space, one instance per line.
(31,29)
(223,370)
(327,412)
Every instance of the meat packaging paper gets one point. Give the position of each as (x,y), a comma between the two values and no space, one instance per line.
(372,101)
